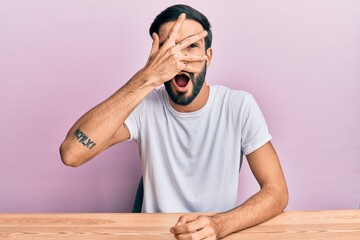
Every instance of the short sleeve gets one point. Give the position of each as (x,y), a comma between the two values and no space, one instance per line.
(133,121)
(255,132)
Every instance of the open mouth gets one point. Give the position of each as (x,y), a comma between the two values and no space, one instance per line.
(182,79)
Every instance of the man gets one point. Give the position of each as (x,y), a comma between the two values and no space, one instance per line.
(191,136)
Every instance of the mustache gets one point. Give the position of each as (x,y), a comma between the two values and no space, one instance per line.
(192,75)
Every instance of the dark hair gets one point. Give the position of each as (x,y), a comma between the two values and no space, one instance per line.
(173,12)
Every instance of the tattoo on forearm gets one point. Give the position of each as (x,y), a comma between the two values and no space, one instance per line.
(85,140)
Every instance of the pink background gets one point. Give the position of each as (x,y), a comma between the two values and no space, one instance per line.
(300,59)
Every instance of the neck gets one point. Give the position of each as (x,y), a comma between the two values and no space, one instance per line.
(198,103)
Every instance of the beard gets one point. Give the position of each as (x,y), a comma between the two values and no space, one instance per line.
(180,98)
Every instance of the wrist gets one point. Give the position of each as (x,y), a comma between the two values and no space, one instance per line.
(219,221)
(149,77)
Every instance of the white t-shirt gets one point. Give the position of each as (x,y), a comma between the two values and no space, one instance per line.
(191,161)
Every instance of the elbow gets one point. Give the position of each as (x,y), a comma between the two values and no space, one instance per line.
(283,198)
(279,195)
(67,158)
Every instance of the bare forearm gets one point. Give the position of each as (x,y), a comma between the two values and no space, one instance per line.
(270,201)
(90,134)
(264,205)
(104,124)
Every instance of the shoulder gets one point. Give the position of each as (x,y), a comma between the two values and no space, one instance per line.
(155,97)
(230,96)
(156,94)
(154,100)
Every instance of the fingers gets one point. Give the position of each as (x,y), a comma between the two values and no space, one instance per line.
(205,233)
(187,218)
(192,39)
(175,29)
(189,68)
(155,44)
(195,227)
(189,224)
(193,58)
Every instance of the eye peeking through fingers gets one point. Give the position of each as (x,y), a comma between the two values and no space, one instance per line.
(193,45)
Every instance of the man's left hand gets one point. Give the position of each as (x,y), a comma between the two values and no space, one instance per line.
(196,227)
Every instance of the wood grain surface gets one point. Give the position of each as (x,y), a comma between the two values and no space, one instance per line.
(299,225)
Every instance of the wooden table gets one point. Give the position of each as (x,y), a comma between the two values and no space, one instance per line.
(334,224)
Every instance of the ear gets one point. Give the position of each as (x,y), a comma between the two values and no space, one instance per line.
(209,55)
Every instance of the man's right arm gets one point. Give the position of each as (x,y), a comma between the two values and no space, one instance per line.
(103,126)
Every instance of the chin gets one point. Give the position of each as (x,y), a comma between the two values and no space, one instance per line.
(184,94)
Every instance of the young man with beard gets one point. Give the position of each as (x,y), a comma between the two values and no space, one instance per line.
(191,136)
